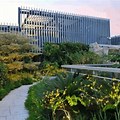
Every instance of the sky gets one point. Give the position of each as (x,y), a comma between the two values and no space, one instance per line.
(99,8)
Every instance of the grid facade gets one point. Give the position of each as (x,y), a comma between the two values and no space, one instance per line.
(46,26)
(115,40)
(9,28)
(56,27)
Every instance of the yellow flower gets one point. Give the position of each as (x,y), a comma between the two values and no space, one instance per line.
(57,94)
(64,92)
(87,77)
(91,87)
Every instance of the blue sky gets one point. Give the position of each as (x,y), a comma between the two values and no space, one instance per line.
(100,8)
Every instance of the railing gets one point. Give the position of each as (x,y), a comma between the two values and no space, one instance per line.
(105,71)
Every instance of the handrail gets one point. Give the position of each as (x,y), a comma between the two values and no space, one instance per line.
(86,67)
(92,67)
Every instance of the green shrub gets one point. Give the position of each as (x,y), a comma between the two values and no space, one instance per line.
(64,53)
(16,84)
(33,103)
(3,92)
(69,96)
(50,69)
(27,59)
(27,81)
(114,57)
(3,74)
(16,66)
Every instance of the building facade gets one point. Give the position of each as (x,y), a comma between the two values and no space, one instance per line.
(9,28)
(50,26)
(115,40)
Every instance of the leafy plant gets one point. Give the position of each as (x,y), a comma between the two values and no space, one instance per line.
(15,60)
(68,96)
(3,74)
(50,69)
(64,53)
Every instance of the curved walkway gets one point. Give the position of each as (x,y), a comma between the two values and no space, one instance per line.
(12,106)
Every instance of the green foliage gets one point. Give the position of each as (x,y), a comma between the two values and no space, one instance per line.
(33,103)
(27,59)
(10,85)
(49,69)
(22,79)
(15,52)
(84,58)
(114,57)
(3,92)
(3,75)
(26,81)
(15,62)
(69,53)
(69,96)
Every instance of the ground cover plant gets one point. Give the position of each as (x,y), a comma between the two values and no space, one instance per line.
(74,97)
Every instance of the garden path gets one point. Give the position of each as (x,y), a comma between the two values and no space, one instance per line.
(12,106)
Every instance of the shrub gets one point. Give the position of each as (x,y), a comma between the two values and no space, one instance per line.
(16,66)
(50,69)
(27,81)
(64,52)
(69,96)
(3,92)
(3,75)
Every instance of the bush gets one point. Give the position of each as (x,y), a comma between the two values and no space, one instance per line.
(3,92)
(114,57)
(3,75)
(16,66)
(50,69)
(64,52)
(27,81)
(70,96)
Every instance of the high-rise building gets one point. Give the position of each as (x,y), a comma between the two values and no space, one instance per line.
(51,26)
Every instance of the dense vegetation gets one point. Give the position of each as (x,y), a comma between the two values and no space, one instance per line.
(69,53)
(71,97)
(16,65)
(114,56)
(68,96)
(55,55)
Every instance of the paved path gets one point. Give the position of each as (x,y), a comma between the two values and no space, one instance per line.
(12,106)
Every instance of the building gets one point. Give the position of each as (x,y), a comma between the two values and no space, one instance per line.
(51,26)
(115,40)
(103,49)
(9,28)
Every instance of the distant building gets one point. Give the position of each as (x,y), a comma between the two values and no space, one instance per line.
(9,28)
(103,49)
(115,40)
(46,26)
